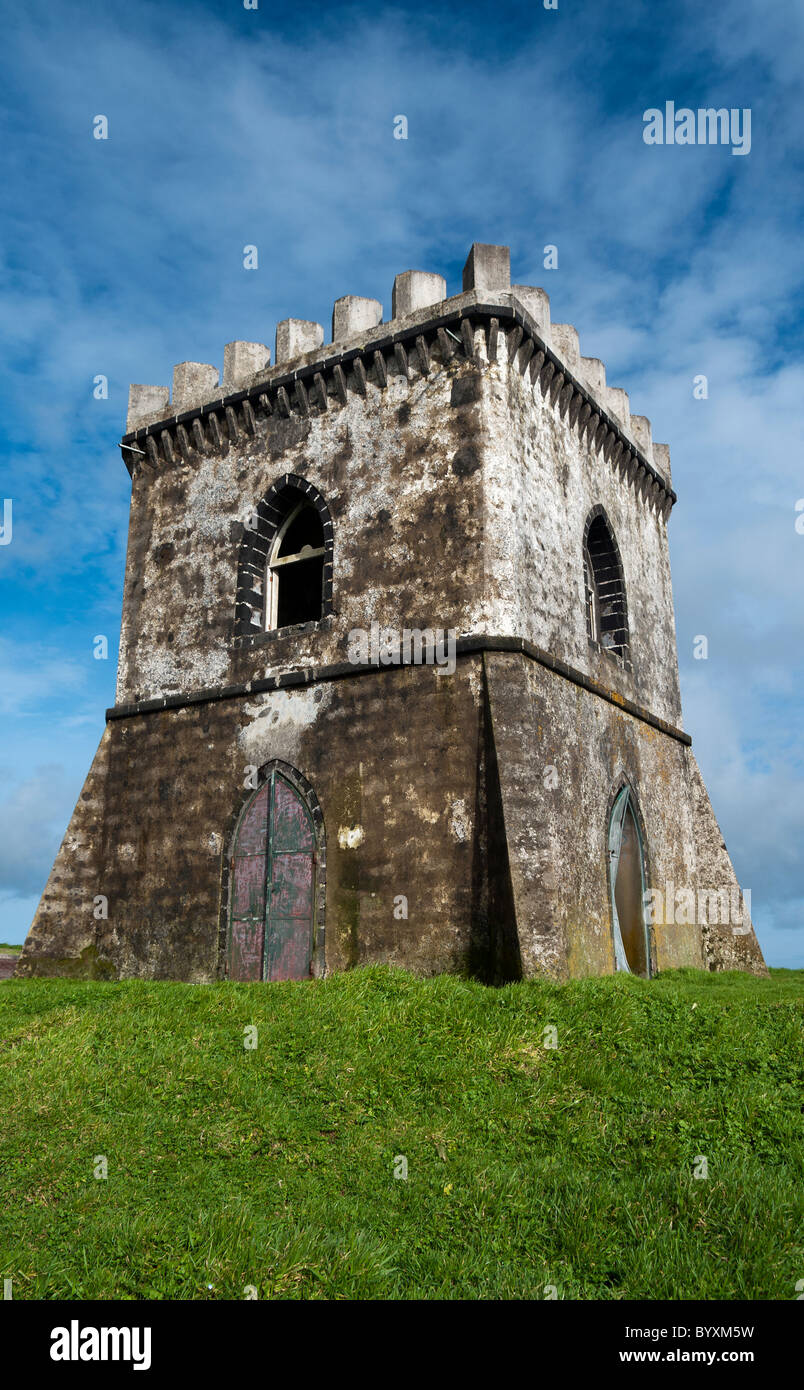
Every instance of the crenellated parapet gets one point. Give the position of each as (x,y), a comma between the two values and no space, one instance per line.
(490,322)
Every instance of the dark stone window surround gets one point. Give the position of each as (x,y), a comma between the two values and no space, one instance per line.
(255,547)
(260,638)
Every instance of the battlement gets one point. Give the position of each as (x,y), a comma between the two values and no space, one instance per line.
(206,411)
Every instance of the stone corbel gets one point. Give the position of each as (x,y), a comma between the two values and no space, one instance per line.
(199,437)
(525,353)
(360,376)
(381,369)
(514,339)
(565,398)
(576,405)
(215,430)
(402,360)
(340,382)
(302,399)
(536,364)
(184,443)
(493,338)
(166,441)
(546,376)
(468,339)
(446,345)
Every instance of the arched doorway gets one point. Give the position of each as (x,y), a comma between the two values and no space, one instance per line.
(627,887)
(273,867)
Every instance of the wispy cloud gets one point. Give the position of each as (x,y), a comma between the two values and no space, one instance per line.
(34,677)
(32,821)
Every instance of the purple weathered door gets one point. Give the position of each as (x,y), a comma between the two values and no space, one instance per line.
(273,888)
(247,919)
(290,879)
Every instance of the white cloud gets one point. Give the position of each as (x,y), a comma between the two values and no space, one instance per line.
(33,818)
(36,676)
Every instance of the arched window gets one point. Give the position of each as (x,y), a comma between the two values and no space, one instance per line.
(284,571)
(606,612)
(294,577)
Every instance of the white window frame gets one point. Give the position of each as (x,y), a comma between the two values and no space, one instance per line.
(275,562)
(592,598)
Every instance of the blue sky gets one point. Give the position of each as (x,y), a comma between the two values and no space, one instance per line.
(230,127)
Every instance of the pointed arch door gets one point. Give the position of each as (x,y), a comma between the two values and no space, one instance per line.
(627,888)
(273,886)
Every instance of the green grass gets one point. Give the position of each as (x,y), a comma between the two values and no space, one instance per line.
(526,1166)
(7,946)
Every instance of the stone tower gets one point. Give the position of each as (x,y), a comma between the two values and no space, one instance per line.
(398,676)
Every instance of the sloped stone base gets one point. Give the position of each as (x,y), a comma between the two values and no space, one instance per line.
(465,818)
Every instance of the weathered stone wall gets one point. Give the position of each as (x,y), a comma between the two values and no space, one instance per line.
(401,473)
(557,829)
(458,500)
(433,787)
(540,484)
(393,758)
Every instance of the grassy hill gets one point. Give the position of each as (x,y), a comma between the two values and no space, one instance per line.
(527,1165)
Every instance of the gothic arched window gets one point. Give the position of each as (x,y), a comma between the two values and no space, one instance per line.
(284,572)
(294,576)
(604,585)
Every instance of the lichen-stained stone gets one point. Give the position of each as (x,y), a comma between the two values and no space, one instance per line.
(487,268)
(461,809)
(556,825)
(242,361)
(146,403)
(297,336)
(416,289)
(193,382)
(351,313)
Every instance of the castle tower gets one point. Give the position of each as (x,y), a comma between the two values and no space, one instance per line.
(398,676)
